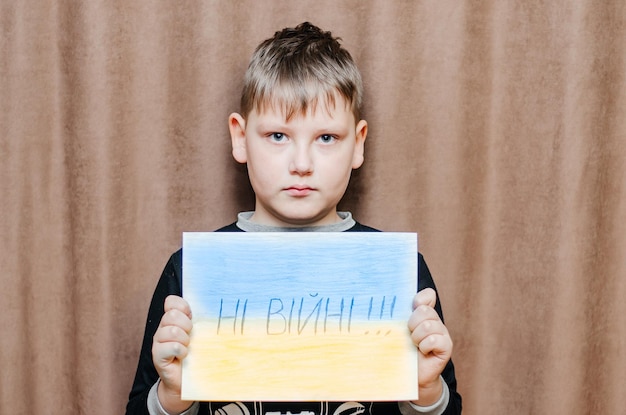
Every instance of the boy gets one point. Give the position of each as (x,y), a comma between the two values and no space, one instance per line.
(300,134)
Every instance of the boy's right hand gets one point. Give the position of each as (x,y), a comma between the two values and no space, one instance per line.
(169,348)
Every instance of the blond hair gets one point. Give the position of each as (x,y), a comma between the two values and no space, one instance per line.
(298,67)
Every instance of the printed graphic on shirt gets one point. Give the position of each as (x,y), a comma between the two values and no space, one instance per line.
(294,408)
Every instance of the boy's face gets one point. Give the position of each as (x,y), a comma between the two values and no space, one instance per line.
(300,168)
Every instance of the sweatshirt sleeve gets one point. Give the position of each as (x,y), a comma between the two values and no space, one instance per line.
(146,375)
(425,280)
(155,408)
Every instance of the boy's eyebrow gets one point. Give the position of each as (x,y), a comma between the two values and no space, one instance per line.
(271,124)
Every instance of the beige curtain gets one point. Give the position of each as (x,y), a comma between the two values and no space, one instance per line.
(497,132)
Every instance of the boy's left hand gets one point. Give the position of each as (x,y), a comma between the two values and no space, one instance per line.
(433,342)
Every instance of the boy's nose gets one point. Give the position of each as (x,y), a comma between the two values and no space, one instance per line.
(301,162)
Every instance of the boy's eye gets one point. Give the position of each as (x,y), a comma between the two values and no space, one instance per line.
(326,138)
(277,137)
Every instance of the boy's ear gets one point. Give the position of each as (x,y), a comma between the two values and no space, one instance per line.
(237,127)
(359,147)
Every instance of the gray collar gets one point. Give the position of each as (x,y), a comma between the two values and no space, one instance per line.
(245,224)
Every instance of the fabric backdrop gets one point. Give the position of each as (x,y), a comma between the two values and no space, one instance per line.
(497,132)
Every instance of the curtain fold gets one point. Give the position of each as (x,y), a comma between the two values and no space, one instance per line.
(497,131)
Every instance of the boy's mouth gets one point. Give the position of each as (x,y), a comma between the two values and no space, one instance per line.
(299,191)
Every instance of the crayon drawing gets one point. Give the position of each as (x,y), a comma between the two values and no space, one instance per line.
(300,316)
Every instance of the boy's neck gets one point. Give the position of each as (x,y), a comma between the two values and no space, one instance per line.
(244,223)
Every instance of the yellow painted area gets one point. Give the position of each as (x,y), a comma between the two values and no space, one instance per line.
(373,362)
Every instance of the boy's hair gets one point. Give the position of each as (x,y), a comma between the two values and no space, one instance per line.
(296,68)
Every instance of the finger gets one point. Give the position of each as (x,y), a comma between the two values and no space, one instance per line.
(167,334)
(176,318)
(421,314)
(174,302)
(428,328)
(439,345)
(427,296)
(165,353)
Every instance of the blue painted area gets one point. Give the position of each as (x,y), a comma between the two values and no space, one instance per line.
(296,281)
